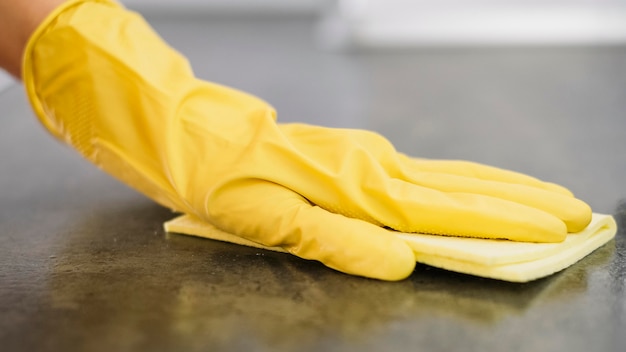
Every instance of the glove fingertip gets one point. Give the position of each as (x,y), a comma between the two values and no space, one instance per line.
(400,261)
(578,216)
(394,261)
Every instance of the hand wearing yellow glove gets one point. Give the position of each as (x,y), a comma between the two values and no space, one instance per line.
(102,81)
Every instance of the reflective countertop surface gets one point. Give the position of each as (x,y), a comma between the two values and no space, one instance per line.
(86,266)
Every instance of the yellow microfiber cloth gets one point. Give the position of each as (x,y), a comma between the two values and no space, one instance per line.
(497,259)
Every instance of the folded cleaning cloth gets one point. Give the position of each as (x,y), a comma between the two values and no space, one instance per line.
(497,259)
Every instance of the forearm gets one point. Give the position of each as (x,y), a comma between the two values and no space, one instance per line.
(18,20)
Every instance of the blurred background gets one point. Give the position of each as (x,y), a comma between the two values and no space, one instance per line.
(384,24)
(401,23)
(537,86)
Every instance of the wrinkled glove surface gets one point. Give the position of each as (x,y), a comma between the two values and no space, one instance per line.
(103,82)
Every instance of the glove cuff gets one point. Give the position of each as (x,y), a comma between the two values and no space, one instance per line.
(46,114)
(90,74)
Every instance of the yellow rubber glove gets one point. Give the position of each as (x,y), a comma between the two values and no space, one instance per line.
(102,81)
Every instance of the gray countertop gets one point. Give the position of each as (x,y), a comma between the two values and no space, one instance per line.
(86,266)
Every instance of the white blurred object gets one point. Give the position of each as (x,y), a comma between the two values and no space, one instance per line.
(5,80)
(405,23)
(231,6)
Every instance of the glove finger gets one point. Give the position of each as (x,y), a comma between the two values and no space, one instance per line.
(273,215)
(411,166)
(407,207)
(575,213)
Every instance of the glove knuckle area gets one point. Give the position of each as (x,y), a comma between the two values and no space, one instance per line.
(340,144)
